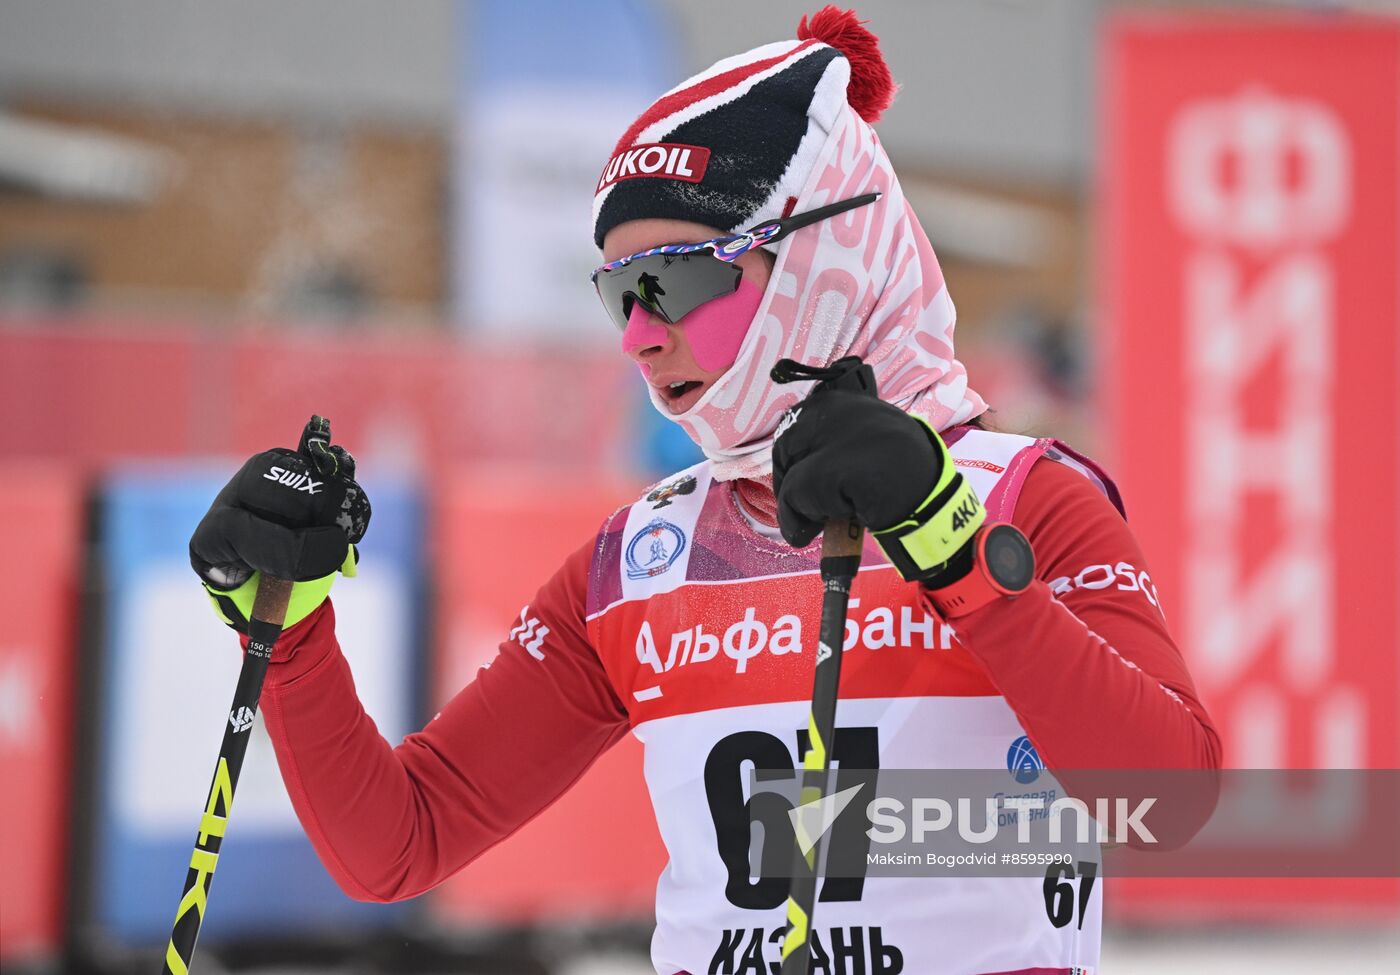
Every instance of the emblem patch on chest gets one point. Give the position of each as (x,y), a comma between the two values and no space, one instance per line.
(654,549)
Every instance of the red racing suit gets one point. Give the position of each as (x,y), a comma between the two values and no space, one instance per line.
(691,626)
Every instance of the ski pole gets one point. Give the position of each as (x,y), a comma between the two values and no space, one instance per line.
(264,627)
(841,546)
(842,539)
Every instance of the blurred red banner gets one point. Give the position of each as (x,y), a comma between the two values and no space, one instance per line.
(1250,240)
(41,524)
(596,853)
(94,392)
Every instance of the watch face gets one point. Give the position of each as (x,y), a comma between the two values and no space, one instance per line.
(1008,557)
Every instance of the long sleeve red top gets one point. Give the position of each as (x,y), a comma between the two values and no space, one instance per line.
(1105,687)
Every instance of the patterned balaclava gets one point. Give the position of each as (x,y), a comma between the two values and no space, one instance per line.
(782,129)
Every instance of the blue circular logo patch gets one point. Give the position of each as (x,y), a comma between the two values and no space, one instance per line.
(1023,762)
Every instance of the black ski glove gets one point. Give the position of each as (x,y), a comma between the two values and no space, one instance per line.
(293,514)
(842,452)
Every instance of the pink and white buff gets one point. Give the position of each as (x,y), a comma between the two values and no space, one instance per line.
(863,283)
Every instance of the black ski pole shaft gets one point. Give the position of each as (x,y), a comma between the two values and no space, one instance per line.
(841,548)
(264,627)
(842,539)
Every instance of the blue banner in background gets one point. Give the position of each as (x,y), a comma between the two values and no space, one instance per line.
(537,121)
(169,669)
(546,89)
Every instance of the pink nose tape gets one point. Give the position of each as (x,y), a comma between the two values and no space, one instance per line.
(714,331)
(643,331)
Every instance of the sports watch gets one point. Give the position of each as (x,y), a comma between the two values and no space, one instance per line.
(1003,564)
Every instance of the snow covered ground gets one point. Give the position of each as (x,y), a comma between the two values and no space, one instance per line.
(1277,952)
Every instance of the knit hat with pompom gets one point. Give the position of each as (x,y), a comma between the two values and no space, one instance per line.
(734,145)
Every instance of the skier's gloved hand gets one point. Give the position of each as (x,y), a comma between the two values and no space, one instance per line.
(843,453)
(294,514)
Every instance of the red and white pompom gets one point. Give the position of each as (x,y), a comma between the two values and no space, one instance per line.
(872,87)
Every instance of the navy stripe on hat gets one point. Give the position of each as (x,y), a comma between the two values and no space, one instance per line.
(752,141)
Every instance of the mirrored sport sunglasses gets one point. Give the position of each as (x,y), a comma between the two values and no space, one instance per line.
(673,280)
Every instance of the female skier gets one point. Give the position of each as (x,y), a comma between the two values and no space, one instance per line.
(748,215)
